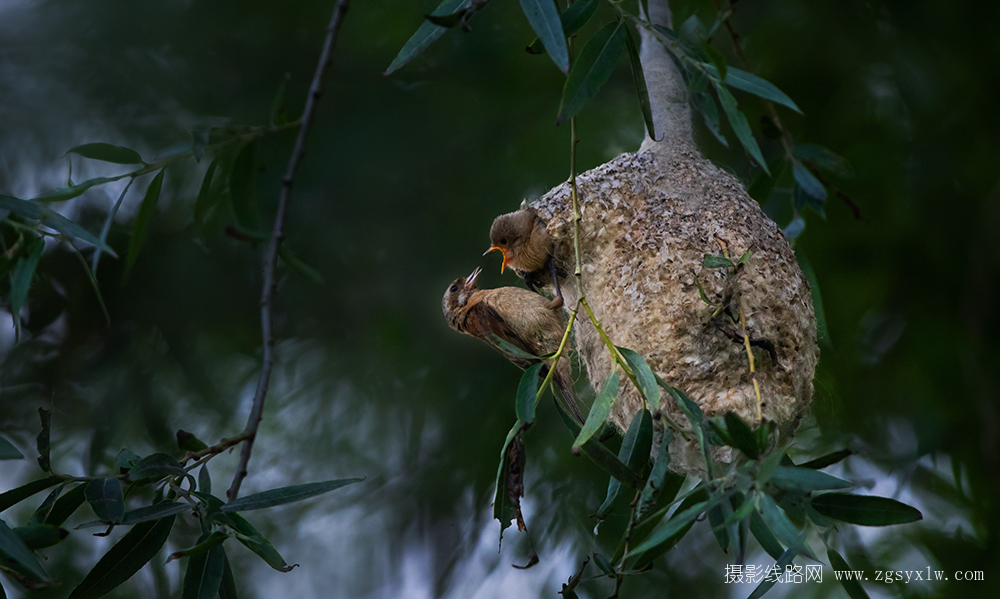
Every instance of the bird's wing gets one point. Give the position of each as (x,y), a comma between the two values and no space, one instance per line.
(484,322)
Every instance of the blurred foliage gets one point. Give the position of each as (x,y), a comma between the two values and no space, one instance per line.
(402,177)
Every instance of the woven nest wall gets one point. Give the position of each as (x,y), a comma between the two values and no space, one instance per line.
(648,221)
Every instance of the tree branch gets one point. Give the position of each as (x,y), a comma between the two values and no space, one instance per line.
(277,234)
(667,92)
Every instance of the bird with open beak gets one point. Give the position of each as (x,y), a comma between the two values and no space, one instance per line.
(523,319)
(528,249)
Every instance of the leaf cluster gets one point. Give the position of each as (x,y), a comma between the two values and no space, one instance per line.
(759,494)
(145,494)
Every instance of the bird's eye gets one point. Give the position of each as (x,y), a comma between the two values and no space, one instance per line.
(453,289)
(503,241)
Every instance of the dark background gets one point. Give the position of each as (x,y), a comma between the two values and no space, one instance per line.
(402,178)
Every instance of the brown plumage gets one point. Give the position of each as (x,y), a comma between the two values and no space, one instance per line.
(647,222)
(528,249)
(519,317)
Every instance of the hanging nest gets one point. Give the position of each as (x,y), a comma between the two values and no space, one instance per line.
(648,221)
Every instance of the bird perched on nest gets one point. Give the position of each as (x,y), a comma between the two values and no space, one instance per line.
(511,315)
(527,247)
(648,220)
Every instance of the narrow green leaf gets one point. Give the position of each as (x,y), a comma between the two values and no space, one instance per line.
(806,480)
(254,541)
(292,262)
(634,453)
(155,466)
(598,411)
(822,332)
(284,495)
(42,511)
(718,60)
(697,419)
(704,103)
(204,479)
(146,211)
(64,507)
(639,79)
(714,261)
(716,518)
(772,461)
(693,31)
(764,535)
(50,218)
(838,563)
(154,512)
(106,498)
(741,508)
(107,153)
(189,441)
(68,193)
(597,452)
(39,536)
(8,451)
(592,68)
(227,590)
(425,35)
(794,228)
(824,159)
(572,20)
(42,441)
(784,560)
(753,84)
(125,460)
(742,436)
(13,548)
(241,189)
(782,527)
(808,181)
(668,528)
(654,483)
(447,21)
(127,557)
(203,203)
(527,390)
(544,19)
(740,126)
(205,542)
(656,521)
(643,375)
(827,460)
(22,208)
(93,282)
(20,279)
(204,574)
(604,565)
(866,510)
(507,347)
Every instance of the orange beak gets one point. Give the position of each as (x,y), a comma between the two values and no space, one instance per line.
(503,252)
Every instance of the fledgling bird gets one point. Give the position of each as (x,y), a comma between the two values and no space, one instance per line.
(519,317)
(528,249)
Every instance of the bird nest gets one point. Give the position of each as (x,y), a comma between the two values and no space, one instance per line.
(648,222)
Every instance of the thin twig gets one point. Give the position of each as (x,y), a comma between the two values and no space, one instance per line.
(787,141)
(277,233)
(746,335)
(203,455)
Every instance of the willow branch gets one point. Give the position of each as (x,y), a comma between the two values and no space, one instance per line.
(269,285)
(668,99)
